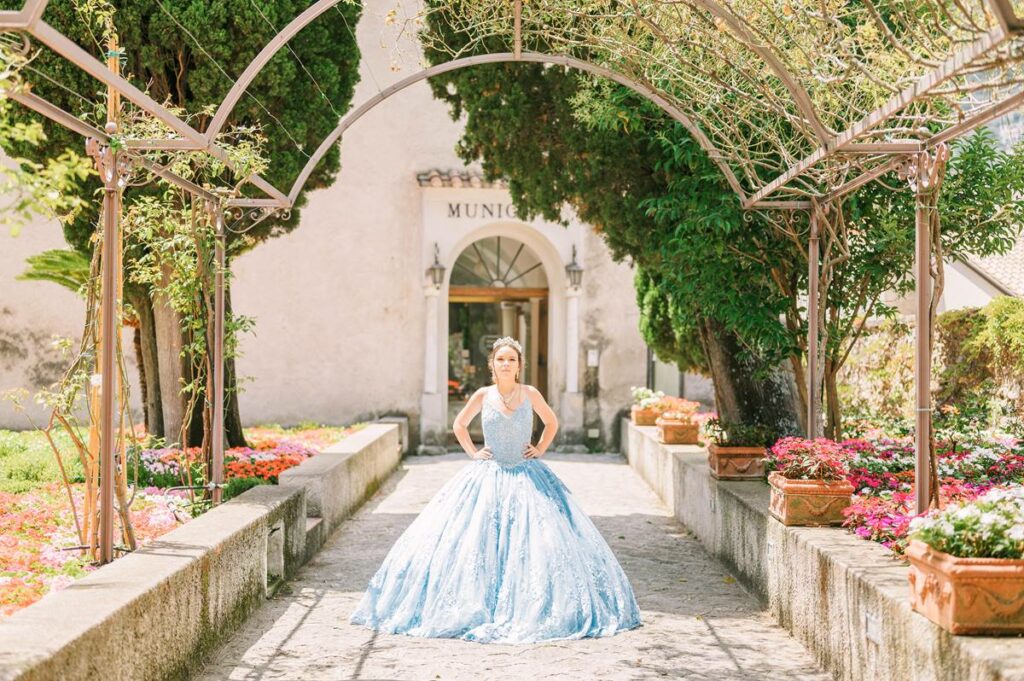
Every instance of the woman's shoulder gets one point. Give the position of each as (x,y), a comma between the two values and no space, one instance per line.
(531,391)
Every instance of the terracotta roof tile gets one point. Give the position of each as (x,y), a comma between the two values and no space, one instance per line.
(1007,270)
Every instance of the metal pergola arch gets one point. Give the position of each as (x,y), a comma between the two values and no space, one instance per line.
(888,155)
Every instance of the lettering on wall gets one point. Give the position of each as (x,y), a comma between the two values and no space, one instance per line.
(478,211)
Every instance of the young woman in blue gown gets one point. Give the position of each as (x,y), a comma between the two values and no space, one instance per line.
(502,553)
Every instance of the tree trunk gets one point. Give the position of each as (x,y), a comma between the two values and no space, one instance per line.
(149,363)
(796,366)
(745,390)
(167,326)
(162,342)
(232,416)
(833,411)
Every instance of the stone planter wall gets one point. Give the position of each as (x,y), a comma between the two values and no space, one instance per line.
(846,599)
(155,613)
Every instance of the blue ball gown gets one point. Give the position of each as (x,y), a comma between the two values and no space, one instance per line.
(501,554)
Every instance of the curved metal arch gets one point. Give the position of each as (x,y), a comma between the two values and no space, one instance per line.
(260,60)
(796,91)
(507,57)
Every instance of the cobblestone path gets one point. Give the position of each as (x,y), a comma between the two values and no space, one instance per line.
(698,622)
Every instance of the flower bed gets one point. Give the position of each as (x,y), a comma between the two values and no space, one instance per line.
(37,525)
(882,473)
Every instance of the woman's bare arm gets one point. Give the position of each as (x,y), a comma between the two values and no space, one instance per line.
(547,416)
(461,426)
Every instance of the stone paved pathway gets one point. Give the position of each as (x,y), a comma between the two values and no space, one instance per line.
(698,622)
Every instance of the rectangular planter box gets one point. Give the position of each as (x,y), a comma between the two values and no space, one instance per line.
(736,463)
(676,433)
(644,417)
(808,502)
(967,595)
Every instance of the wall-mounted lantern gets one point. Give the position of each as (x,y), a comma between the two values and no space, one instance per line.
(574,271)
(436,270)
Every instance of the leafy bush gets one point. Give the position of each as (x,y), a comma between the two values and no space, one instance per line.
(1001,336)
(27,460)
(235,486)
(878,378)
(978,372)
(727,434)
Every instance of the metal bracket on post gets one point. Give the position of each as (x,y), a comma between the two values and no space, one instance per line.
(114,168)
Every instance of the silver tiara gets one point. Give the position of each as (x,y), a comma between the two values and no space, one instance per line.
(510,341)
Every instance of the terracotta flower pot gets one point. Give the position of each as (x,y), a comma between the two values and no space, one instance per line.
(673,432)
(736,463)
(808,502)
(967,595)
(644,417)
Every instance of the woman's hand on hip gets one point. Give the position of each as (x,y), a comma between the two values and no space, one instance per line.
(482,453)
(531,452)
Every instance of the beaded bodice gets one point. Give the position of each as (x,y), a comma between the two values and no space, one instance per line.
(506,434)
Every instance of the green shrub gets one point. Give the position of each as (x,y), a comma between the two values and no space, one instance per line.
(235,486)
(964,368)
(27,460)
(1001,337)
(977,370)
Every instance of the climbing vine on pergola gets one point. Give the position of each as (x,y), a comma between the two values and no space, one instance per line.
(797,102)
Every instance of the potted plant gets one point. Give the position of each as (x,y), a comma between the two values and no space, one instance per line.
(967,564)
(646,407)
(808,481)
(736,450)
(676,425)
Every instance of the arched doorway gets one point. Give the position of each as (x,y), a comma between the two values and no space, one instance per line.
(498,287)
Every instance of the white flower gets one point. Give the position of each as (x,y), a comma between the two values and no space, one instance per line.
(990,519)
(1016,532)
(966,512)
(921,523)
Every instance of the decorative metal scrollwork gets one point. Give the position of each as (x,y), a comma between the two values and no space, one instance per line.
(237,216)
(114,165)
(923,170)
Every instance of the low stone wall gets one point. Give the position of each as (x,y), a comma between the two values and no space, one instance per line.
(341,477)
(155,613)
(844,598)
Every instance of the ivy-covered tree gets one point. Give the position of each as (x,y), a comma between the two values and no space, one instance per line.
(188,54)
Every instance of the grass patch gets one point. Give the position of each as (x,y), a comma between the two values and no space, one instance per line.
(27,461)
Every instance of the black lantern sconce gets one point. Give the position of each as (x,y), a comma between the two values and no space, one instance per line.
(574,271)
(436,270)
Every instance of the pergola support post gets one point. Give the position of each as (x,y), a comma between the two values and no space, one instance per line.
(217,453)
(113,167)
(813,333)
(924,172)
(922,346)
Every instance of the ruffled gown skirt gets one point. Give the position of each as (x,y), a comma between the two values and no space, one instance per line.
(501,554)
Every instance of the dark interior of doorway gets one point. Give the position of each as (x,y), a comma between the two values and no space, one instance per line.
(473,326)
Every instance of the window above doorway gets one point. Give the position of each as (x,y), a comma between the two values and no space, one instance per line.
(498,262)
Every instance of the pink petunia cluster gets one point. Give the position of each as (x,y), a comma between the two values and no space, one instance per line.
(798,458)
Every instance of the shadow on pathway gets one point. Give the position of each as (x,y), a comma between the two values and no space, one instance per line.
(698,621)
